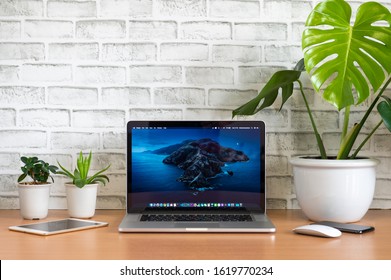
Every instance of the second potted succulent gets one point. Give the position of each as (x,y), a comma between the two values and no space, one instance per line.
(82,191)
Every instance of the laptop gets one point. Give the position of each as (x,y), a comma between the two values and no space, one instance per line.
(196,176)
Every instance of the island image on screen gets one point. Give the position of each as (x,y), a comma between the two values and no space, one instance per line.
(195,160)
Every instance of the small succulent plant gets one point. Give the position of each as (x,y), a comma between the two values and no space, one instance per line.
(38,170)
(80,176)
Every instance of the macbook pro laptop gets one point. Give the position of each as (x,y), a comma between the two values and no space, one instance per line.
(196,176)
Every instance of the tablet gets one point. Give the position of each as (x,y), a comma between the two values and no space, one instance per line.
(58,226)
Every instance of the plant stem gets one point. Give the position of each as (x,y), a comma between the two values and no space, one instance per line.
(366,140)
(345,123)
(317,135)
(344,154)
(31,174)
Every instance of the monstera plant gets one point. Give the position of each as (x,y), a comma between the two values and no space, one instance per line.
(345,63)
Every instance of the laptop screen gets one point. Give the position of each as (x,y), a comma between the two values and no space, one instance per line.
(196,165)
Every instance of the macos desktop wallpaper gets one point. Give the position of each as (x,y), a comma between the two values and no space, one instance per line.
(196,164)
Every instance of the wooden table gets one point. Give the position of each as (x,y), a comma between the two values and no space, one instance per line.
(107,243)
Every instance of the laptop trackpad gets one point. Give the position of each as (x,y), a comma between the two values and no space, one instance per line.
(197,225)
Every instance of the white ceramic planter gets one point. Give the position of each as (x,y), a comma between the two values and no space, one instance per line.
(81,201)
(34,201)
(334,190)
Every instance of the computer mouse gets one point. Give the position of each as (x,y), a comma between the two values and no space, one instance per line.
(318,230)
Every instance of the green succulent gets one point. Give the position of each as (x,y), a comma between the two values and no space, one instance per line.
(80,176)
(38,170)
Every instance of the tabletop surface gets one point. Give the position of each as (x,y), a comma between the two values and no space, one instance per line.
(107,243)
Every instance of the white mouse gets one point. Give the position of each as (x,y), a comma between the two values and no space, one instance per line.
(318,230)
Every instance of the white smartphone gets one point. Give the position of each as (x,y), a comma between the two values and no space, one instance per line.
(58,226)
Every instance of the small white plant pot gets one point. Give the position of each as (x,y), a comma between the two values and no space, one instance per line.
(334,190)
(34,201)
(81,201)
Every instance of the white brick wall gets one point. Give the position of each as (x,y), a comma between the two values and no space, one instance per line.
(22,51)
(72,72)
(100,29)
(48,29)
(73,51)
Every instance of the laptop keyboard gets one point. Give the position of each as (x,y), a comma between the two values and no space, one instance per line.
(196,218)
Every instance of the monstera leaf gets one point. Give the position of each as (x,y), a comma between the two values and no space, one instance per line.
(283,80)
(280,80)
(384,108)
(340,57)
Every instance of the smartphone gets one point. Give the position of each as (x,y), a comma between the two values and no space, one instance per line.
(58,226)
(352,228)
